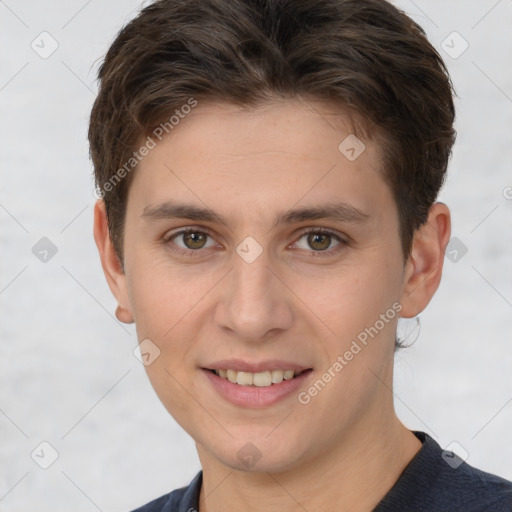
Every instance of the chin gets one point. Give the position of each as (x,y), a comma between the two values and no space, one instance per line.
(257,456)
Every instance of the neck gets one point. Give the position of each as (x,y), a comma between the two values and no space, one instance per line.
(355,474)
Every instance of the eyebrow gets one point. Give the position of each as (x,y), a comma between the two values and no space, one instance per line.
(341,212)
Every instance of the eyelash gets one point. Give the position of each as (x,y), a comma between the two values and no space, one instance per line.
(193,252)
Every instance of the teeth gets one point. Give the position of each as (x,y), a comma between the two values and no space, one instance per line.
(244,378)
(277,376)
(261,379)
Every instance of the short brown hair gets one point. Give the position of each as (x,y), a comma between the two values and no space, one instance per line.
(365,55)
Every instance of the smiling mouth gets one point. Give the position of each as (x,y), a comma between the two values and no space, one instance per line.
(260,379)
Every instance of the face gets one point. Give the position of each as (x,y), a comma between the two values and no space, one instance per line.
(254,244)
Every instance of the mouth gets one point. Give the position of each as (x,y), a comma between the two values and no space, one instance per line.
(260,379)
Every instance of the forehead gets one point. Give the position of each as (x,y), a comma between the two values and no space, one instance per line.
(266,158)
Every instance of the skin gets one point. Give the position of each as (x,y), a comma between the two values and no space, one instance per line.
(295,302)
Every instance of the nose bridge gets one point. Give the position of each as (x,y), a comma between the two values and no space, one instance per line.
(252,279)
(254,302)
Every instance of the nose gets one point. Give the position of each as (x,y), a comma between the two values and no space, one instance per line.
(254,304)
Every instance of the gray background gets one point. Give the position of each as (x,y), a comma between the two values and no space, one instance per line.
(68,375)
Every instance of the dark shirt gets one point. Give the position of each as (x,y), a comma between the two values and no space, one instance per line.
(434,481)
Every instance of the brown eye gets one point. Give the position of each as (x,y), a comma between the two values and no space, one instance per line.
(194,239)
(319,241)
(189,241)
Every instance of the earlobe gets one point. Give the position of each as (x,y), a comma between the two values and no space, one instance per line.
(110,263)
(424,268)
(124,315)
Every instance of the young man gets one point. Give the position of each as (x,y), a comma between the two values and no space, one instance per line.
(268,172)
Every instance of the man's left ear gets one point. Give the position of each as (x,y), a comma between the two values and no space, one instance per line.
(425,264)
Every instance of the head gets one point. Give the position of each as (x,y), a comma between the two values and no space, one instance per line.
(240,121)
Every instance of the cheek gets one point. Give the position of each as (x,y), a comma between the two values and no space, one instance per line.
(165,308)
(169,382)
(351,299)
(161,295)
(169,308)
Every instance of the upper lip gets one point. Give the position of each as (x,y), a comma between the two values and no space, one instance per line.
(255,367)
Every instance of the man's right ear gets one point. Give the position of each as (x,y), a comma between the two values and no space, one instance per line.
(111,264)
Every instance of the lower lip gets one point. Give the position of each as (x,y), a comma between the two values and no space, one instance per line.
(254,396)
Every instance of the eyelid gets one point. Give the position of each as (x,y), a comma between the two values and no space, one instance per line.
(325,231)
(186,229)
